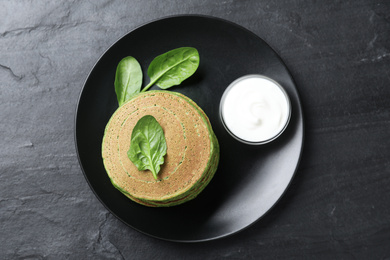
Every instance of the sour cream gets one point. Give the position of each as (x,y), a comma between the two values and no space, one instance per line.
(255,109)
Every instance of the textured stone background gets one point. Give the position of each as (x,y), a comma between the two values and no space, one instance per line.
(338,204)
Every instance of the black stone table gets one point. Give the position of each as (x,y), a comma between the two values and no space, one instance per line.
(338,205)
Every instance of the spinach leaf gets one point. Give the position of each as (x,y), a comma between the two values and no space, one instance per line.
(147,145)
(172,67)
(128,79)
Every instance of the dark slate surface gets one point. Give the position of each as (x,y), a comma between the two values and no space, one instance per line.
(338,204)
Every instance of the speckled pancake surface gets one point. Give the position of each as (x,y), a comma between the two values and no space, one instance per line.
(190,147)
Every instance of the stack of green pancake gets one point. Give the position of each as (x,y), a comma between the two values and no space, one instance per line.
(192,149)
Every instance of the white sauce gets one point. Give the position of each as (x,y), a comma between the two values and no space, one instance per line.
(255,109)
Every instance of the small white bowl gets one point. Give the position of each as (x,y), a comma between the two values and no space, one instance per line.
(255,109)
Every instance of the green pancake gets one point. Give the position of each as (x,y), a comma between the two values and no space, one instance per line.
(191,155)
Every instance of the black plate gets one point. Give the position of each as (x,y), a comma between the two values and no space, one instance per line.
(249,180)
